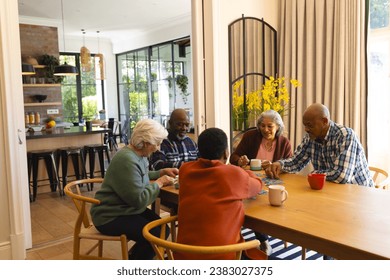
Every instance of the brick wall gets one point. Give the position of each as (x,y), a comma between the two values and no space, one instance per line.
(36,40)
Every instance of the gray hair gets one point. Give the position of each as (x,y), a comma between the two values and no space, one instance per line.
(275,117)
(147,131)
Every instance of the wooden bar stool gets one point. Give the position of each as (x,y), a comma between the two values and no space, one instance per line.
(91,150)
(75,153)
(33,158)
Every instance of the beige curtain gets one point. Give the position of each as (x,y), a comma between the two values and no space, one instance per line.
(322,44)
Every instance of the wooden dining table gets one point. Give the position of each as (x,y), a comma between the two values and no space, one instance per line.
(344,221)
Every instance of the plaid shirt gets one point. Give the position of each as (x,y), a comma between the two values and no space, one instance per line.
(340,156)
(173,152)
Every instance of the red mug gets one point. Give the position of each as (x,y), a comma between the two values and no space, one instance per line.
(316,180)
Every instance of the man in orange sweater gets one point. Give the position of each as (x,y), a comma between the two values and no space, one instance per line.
(211,211)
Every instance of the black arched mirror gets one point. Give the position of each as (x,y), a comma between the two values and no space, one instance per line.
(252,60)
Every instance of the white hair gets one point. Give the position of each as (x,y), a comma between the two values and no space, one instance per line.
(147,131)
(275,117)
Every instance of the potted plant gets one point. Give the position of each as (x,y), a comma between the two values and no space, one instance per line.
(182,83)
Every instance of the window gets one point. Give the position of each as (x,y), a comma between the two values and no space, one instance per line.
(82,95)
(378,128)
(155,80)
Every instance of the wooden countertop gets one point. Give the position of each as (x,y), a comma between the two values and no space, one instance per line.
(65,132)
(344,221)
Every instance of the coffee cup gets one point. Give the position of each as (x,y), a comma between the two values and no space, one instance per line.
(255,164)
(316,180)
(277,194)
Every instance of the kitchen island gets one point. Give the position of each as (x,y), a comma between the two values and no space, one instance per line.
(60,137)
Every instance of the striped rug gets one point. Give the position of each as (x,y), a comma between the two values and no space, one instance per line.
(292,252)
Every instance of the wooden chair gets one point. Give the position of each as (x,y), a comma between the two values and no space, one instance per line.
(88,231)
(164,247)
(380,177)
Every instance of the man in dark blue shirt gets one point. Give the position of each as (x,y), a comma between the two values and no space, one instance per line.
(178,147)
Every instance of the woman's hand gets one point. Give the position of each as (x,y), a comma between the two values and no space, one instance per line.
(164,180)
(171,172)
(243,161)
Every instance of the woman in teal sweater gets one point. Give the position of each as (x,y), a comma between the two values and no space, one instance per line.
(126,190)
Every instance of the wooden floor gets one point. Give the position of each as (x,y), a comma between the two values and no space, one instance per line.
(52,221)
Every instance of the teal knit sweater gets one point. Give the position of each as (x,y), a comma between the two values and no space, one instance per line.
(126,189)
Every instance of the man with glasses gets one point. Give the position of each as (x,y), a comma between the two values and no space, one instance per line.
(178,147)
(332,148)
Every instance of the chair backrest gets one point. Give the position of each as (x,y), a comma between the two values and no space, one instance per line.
(379,176)
(164,247)
(72,190)
(124,131)
(237,138)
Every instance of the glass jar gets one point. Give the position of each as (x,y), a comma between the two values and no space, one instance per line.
(37,117)
(31,118)
(26,119)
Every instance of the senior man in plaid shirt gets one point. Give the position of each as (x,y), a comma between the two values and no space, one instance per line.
(178,147)
(332,148)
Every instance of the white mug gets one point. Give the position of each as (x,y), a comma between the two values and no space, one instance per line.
(277,194)
(255,164)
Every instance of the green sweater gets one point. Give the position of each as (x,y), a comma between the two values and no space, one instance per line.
(126,189)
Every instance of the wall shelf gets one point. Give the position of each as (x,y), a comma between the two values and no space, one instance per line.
(40,85)
(39,104)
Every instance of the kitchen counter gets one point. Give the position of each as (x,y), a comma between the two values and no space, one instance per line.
(65,132)
(64,137)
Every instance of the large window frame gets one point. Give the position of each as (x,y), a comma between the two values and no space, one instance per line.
(148,85)
(76,89)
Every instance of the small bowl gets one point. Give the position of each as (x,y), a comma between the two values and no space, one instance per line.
(40,97)
(316,180)
(36,128)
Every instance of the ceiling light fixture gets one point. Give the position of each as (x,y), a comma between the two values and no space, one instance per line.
(65,69)
(27,69)
(85,56)
(101,60)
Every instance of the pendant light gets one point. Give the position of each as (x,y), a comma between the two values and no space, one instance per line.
(101,60)
(85,55)
(27,69)
(64,69)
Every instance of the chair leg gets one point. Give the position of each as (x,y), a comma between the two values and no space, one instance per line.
(91,154)
(124,247)
(76,248)
(55,174)
(101,162)
(35,176)
(64,165)
(50,173)
(100,249)
(29,169)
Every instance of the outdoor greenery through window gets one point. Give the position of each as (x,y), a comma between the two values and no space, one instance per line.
(379,84)
(82,95)
(155,80)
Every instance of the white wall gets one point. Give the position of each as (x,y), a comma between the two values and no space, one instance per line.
(218,15)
